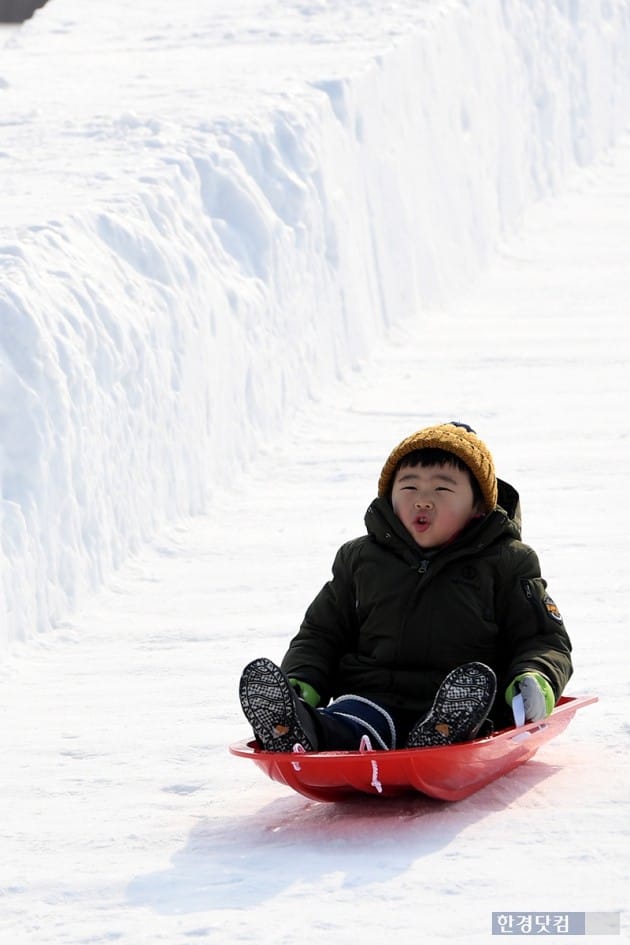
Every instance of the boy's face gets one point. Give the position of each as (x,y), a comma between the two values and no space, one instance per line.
(434,503)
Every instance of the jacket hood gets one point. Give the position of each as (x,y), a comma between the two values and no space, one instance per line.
(510,502)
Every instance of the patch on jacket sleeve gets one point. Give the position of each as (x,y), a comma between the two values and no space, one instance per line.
(552,608)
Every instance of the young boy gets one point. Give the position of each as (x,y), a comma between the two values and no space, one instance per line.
(439,607)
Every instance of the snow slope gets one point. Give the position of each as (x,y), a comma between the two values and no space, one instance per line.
(207,217)
(122,816)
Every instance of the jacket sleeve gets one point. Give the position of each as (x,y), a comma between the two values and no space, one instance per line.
(533,631)
(328,631)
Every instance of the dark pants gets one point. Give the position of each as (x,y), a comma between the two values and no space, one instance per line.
(345,722)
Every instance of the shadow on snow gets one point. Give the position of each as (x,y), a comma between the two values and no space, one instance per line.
(235,862)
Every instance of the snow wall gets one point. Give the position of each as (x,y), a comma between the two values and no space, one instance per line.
(150,345)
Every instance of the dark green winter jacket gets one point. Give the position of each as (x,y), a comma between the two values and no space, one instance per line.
(394,620)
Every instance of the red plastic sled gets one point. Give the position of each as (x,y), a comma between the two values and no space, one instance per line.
(449,773)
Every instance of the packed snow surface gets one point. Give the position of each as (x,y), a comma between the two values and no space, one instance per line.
(244,249)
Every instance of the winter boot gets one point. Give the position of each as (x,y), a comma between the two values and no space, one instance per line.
(460,707)
(277,715)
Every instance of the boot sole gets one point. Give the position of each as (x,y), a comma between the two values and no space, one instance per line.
(269,704)
(460,708)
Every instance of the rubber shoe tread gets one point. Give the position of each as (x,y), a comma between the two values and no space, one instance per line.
(460,707)
(273,708)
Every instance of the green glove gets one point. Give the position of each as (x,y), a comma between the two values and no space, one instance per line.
(305,692)
(538,696)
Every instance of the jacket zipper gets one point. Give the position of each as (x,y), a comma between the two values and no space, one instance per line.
(535,602)
(424,564)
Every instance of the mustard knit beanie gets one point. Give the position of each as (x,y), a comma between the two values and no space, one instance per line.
(457,438)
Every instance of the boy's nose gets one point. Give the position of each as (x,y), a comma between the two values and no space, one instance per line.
(423,503)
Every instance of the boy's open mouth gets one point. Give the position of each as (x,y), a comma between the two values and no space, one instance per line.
(422,522)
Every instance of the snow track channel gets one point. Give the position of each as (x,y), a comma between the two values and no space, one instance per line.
(125,819)
(245,248)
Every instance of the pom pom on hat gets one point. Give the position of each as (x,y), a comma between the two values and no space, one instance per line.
(456,438)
